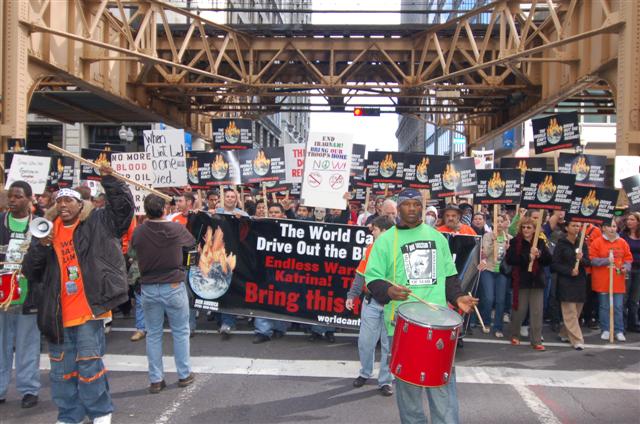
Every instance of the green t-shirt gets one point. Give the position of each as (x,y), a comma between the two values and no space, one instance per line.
(18,244)
(501,240)
(418,258)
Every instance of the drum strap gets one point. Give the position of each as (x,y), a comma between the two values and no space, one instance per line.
(395,258)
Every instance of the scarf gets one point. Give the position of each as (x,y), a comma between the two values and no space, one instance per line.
(516,274)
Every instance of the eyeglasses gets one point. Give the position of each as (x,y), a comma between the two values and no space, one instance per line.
(527,226)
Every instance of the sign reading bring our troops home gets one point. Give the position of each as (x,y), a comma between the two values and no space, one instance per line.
(555,132)
(547,190)
(498,187)
(588,169)
(594,205)
(456,177)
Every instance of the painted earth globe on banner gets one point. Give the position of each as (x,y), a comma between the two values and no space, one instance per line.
(211,287)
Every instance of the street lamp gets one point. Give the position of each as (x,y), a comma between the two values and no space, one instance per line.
(126,134)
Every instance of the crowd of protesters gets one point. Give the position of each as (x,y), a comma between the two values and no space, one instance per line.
(98,249)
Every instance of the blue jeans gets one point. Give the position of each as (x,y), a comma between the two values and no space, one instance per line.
(618,323)
(266,326)
(228,319)
(19,331)
(139,313)
(322,329)
(172,299)
(493,291)
(79,385)
(372,329)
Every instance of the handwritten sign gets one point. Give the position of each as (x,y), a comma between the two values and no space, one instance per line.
(136,166)
(168,158)
(32,169)
(294,162)
(327,167)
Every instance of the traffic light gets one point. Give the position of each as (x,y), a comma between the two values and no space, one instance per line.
(366,111)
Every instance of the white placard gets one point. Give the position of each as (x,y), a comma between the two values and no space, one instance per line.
(32,169)
(625,166)
(294,162)
(136,166)
(327,166)
(167,157)
(483,158)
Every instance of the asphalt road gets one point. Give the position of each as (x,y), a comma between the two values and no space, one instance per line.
(293,380)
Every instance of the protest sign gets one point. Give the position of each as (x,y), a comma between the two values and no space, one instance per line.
(263,166)
(524,165)
(31,169)
(631,187)
(555,132)
(547,190)
(294,270)
(483,158)
(65,168)
(99,157)
(498,187)
(232,134)
(294,162)
(137,167)
(625,166)
(416,168)
(198,169)
(594,205)
(385,167)
(453,178)
(168,157)
(358,163)
(326,170)
(224,168)
(588,169)
(61,170)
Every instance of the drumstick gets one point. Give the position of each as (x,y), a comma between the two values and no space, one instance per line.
(475,308)
(431,305)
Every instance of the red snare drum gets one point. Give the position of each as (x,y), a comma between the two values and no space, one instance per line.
(424,344)
(5,287)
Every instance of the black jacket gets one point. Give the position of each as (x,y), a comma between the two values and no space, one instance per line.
(528,280)
(96,240)
(570,289)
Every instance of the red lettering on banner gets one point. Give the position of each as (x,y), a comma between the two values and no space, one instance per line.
(271,296)
(336,268)
(318,302)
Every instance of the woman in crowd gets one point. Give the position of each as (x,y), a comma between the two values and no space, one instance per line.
(631,235)
(528,286)
(569,263)
(493,283)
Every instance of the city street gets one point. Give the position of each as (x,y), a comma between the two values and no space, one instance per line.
(294,380)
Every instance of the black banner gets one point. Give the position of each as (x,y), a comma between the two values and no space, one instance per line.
(498,187)
(456,177)
(555,132)
(416,168)
(100,157)
(358,165)
(198,169)
(588,169)
(631,186)
(385,167)
(263,166)
(594,205)
(232,134)
(524,165)
(547,190)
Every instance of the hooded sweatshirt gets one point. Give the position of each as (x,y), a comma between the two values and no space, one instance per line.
(599,254)
(158,247)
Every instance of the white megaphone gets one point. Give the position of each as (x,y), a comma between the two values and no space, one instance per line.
(40,227)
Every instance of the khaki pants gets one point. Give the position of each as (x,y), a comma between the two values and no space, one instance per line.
(531,300)
(570,315)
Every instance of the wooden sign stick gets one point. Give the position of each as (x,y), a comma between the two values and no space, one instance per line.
(366,199)
(536,236)
(611,266)
(583,232)
(264,197)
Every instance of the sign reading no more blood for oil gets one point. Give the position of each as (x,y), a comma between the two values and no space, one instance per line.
(631,186)
(547,190)
(168,157)
(498,187)
(137,167)
(594,205)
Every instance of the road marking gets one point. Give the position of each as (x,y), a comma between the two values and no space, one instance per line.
(585,379)
(537,406)
(184,396)
(607,346)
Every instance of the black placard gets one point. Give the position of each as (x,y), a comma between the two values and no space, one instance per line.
(266,166)
(555,132)
(99,157)
(453,178)
(61,169)
(498,187)
(588,169)
(232,134)
(385,167)
(198,169)
(547,190)
(631,186)
(524,165)
(594,205)
(416,168)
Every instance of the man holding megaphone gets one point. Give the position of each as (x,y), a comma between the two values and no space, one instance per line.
(82,269)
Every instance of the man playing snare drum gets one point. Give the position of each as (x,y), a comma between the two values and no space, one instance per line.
(391,261)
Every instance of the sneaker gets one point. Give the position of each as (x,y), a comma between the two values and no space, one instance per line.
(386,390)
(225,331)
(564,339)
(331,337)
(359,382)
(138,335)
(29,401)
(524,331)
(260,338)
(157,387)
(499,335)
(515,341)
(604,335)
(579,346)
(620,337)
(506,318)
(105,419)
(187,381)
(539,347)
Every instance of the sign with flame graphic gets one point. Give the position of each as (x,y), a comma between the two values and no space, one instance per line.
(416,167)
(631,186)
(524,165)
(547,190)
(385,167)
(32,169)
(232,134)
(588,169)
(207,169)
(498,187)
(61,170)
(262,166)
(99,157)
(453,178)
(594,205)
(555,132)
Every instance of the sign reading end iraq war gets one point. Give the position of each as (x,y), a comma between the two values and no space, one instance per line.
(547,190)
(498,187)
(456,177)
(592,205)
(588,169)
(284,269)
(631,186)
(556,132)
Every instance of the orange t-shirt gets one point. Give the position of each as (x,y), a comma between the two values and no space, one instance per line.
(599,248)
(180,219)
(126,238)
(464,230)
(75,307)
